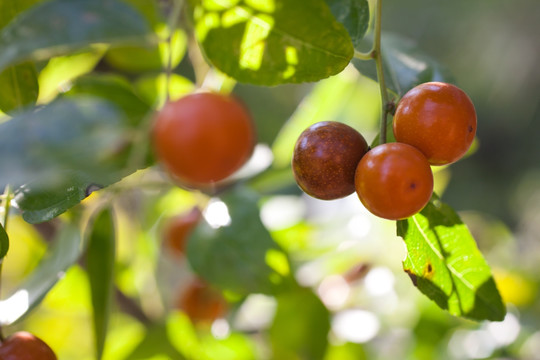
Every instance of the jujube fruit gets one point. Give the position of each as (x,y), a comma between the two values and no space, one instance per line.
(23,345)
(178,229)
(203,138)
(394,181)
(201,302)
(325,158)
(437,118)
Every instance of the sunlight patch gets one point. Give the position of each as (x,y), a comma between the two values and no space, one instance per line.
(254,42)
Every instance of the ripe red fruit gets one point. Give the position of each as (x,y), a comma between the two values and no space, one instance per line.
(177,230)
(203,138)
(201,302)
(437,118)
(325,158)
(394,181)
(25,346)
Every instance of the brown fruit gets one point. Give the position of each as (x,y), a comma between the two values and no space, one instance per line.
(325,158)
(25,346)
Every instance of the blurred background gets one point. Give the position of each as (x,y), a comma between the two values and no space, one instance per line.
(362,305)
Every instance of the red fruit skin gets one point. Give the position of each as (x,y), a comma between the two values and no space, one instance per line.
(25,346)
(325,158)
(437,118)
(203,138)
(394,181)
(201,302)
(178,230)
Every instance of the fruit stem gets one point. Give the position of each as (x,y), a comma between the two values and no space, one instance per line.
(380,72)
(8,195)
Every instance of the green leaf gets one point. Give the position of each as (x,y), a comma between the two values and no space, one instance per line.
(405,66)
(60,71)
(354,15)
(300,328)
(445,264)
(9,9)
(153,88)
(59,27)
(45,198)
(235,346)
(182,335)
(4,242)
(156,342)
(136,59)
(253,261)
(272,42)
(114,89)
(18,87)
(100,255)
(52,155)
(18,84)
(150,10)
(64,252)
(69,134)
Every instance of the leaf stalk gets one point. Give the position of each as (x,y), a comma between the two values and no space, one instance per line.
(376,54)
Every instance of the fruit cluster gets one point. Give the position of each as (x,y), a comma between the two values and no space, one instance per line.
(434,124)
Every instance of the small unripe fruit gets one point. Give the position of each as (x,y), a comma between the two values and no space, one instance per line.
(325,158)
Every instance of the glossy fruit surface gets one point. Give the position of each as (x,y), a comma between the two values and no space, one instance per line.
(437,118)
(201,302)
(203,138)
(394,181)
(325,158)
(177,230)
(25,346)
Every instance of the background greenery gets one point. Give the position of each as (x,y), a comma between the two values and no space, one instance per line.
(349,258)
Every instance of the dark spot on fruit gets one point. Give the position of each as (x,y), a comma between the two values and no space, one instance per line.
(412,186)
(470,129)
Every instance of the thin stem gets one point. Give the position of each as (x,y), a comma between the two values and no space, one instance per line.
(172,23)
(380,73)
(8,195)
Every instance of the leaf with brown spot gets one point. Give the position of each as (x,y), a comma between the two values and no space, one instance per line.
(445,264)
